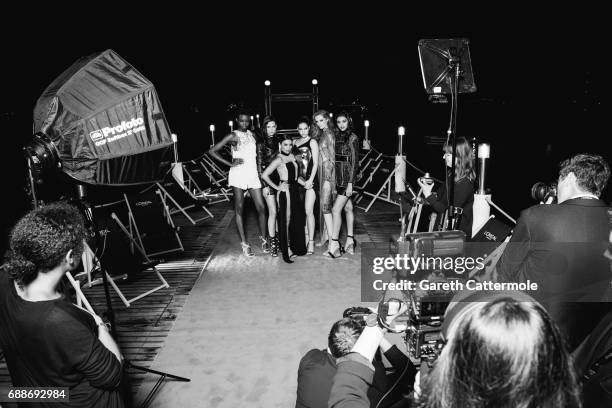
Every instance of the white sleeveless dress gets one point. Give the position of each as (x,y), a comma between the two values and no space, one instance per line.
(245,175)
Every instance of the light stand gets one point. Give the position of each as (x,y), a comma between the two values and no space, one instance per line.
(447,68)
(32,192)
(454,64)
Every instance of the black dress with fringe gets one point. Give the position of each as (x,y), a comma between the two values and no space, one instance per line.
(293,235)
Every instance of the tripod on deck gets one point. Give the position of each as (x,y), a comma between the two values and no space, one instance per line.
(110,313)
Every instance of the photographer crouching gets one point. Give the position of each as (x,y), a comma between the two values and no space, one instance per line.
(502,351)
(47,341)
(318,367)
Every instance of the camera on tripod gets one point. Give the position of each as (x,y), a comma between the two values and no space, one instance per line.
(543,192)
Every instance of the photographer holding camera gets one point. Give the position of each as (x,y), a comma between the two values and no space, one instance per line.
(560,247)
(47,341)
(464,186)
(498,350)
(318,367)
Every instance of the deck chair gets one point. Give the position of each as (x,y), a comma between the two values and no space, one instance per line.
(217,177)
(201,178)
(180,194)
(149,225)
(115,258)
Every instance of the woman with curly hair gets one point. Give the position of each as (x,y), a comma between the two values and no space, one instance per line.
(47,341)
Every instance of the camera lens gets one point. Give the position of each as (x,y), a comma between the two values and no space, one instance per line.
(542,191)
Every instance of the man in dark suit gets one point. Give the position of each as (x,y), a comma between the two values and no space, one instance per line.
(561,246)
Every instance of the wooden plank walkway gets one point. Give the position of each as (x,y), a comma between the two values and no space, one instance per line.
(143,327)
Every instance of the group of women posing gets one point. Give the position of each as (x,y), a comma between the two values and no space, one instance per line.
(287,175)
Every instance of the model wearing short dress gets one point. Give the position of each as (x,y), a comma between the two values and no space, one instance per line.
(246,175)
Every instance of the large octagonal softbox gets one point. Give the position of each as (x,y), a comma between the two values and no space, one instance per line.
(106,122)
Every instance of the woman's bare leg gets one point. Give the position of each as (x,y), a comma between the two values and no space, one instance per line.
(271,203)
(258,200)
(239,209)
(309,203)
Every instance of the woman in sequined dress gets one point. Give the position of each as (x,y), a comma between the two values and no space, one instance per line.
(324,134)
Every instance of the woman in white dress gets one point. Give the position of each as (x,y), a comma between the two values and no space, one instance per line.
(243,175)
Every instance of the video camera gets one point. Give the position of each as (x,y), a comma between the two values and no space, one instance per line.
(427,306)
(542,192)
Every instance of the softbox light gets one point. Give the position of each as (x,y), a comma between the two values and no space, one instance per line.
(106,123)
(438,57)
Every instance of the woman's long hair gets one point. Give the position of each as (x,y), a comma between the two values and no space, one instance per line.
(503,353)
(263,134)
(349,119)
(317,133)
(464,160)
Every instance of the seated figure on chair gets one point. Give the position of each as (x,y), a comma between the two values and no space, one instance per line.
(464,185)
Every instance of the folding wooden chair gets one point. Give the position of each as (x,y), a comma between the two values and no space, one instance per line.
(149,224)
(115,257)
(181,194)
(209,184)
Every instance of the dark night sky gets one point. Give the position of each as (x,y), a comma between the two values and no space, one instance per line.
(539,84)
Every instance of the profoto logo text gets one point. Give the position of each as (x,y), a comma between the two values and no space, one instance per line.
(110,134)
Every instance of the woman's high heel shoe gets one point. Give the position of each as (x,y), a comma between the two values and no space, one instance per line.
(310,250)
(274,246)
(338,252)
(350,248)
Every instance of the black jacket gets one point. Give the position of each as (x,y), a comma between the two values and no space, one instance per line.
(464,198)
(561,247)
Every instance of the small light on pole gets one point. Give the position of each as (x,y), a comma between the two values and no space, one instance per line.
(267,83)
(315,82)
(212,133)
(174,141)
(366,140)
(401,131)
(231,125)
(484,153)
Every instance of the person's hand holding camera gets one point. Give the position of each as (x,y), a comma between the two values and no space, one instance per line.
(426,185)
(373,333)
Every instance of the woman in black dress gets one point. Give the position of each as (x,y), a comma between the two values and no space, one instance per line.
(290,207)
(267,150)
(464,185)
(347,163)
(306,150)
